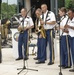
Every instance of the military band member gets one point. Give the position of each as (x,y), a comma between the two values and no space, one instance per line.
(70,27)
(38,13)
(41,40)
(48,22)
(26,24)
(64,41)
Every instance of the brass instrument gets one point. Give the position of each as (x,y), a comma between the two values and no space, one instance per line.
(4,29)
(41,29)
(6,24)
(21,29)
(36,27)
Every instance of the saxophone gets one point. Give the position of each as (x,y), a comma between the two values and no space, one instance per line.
(41,29)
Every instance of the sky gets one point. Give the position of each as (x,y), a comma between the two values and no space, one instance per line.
(10,1)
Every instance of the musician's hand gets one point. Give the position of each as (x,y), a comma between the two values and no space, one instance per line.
(25,28)
(42,22)
(19,26)
(66,26)
(40,36)
(65,30)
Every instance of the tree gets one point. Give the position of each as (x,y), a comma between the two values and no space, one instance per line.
(8,10)
(69,4)
(0,8)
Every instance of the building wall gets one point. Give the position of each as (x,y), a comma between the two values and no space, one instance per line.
(54,4)
(28,6)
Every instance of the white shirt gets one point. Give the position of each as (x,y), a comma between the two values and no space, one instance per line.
(63,23)
(71,31)
(51,17)
(27,21)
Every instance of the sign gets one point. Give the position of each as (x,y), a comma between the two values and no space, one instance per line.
(15,35)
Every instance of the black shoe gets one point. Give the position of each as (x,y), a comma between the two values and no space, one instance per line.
(19,58)
(61,66)
(72,70)
(66,67)
(50,63)
(35,58)
(26,58)
(40,62)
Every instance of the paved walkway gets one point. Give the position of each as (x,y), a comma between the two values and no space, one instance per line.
(9,66)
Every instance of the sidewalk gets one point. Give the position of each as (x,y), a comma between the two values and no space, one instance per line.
(9,66)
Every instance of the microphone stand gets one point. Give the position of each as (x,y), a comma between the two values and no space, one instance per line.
(24,67)
(60,73)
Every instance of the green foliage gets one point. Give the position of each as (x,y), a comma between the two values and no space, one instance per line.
(69,4)
(61,3)
(8,10)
